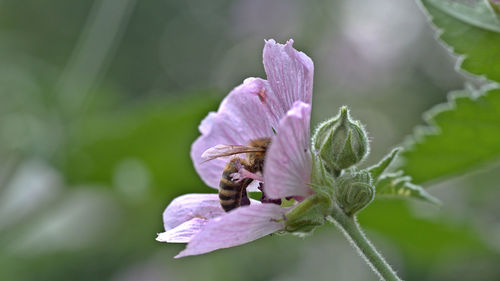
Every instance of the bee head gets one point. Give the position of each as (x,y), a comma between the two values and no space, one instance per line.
(260,143)
(256,159)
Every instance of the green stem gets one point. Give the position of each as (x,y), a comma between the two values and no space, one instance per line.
(365,248)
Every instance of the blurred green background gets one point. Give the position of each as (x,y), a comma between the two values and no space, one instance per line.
(100,102)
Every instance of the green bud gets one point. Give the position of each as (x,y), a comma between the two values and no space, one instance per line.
(354,191)
(340,142)
(309,214)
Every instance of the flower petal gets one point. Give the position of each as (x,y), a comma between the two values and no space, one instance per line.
(187,214)
(288,163)
(290,74)
(237,227)
(187,207)
(254,108)
(183,232)
(241,117)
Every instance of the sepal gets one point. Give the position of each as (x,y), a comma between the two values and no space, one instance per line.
(308,214)
(354,191)
(377,170)
(397,185)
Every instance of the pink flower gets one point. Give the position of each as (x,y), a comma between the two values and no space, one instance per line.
(253,110)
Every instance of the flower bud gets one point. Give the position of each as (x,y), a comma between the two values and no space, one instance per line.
(354,191)
(341,142)
(308,214)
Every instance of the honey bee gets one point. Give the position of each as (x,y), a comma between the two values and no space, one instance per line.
(233,185)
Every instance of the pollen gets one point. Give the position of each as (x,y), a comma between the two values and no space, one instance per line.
(200,217)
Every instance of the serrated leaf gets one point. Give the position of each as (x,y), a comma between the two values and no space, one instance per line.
(471,29)
(395,184)
(379,168)
(463,134)
(476,13)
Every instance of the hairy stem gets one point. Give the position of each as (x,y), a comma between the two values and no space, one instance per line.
(365,248)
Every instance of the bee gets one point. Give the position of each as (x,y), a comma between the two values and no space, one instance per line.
(233,185)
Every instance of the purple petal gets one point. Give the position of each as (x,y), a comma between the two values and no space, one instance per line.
(183,232)
(287,169)
(187,207)
(241,117)
(187,214)
(290,74)
(254,108)
(237,227)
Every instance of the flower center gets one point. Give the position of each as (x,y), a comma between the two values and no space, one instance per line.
(265,199)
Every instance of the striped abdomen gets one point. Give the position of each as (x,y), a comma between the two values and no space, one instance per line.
(233,194)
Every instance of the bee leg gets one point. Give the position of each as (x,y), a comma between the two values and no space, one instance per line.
(236,177)
(245,201)
(245,174)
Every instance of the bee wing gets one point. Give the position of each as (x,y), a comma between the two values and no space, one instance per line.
(223,150)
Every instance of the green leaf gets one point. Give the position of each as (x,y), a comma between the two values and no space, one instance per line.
(463,134)
(395,184)
(476,13)
(472,30)
(425,241)
(379,168)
